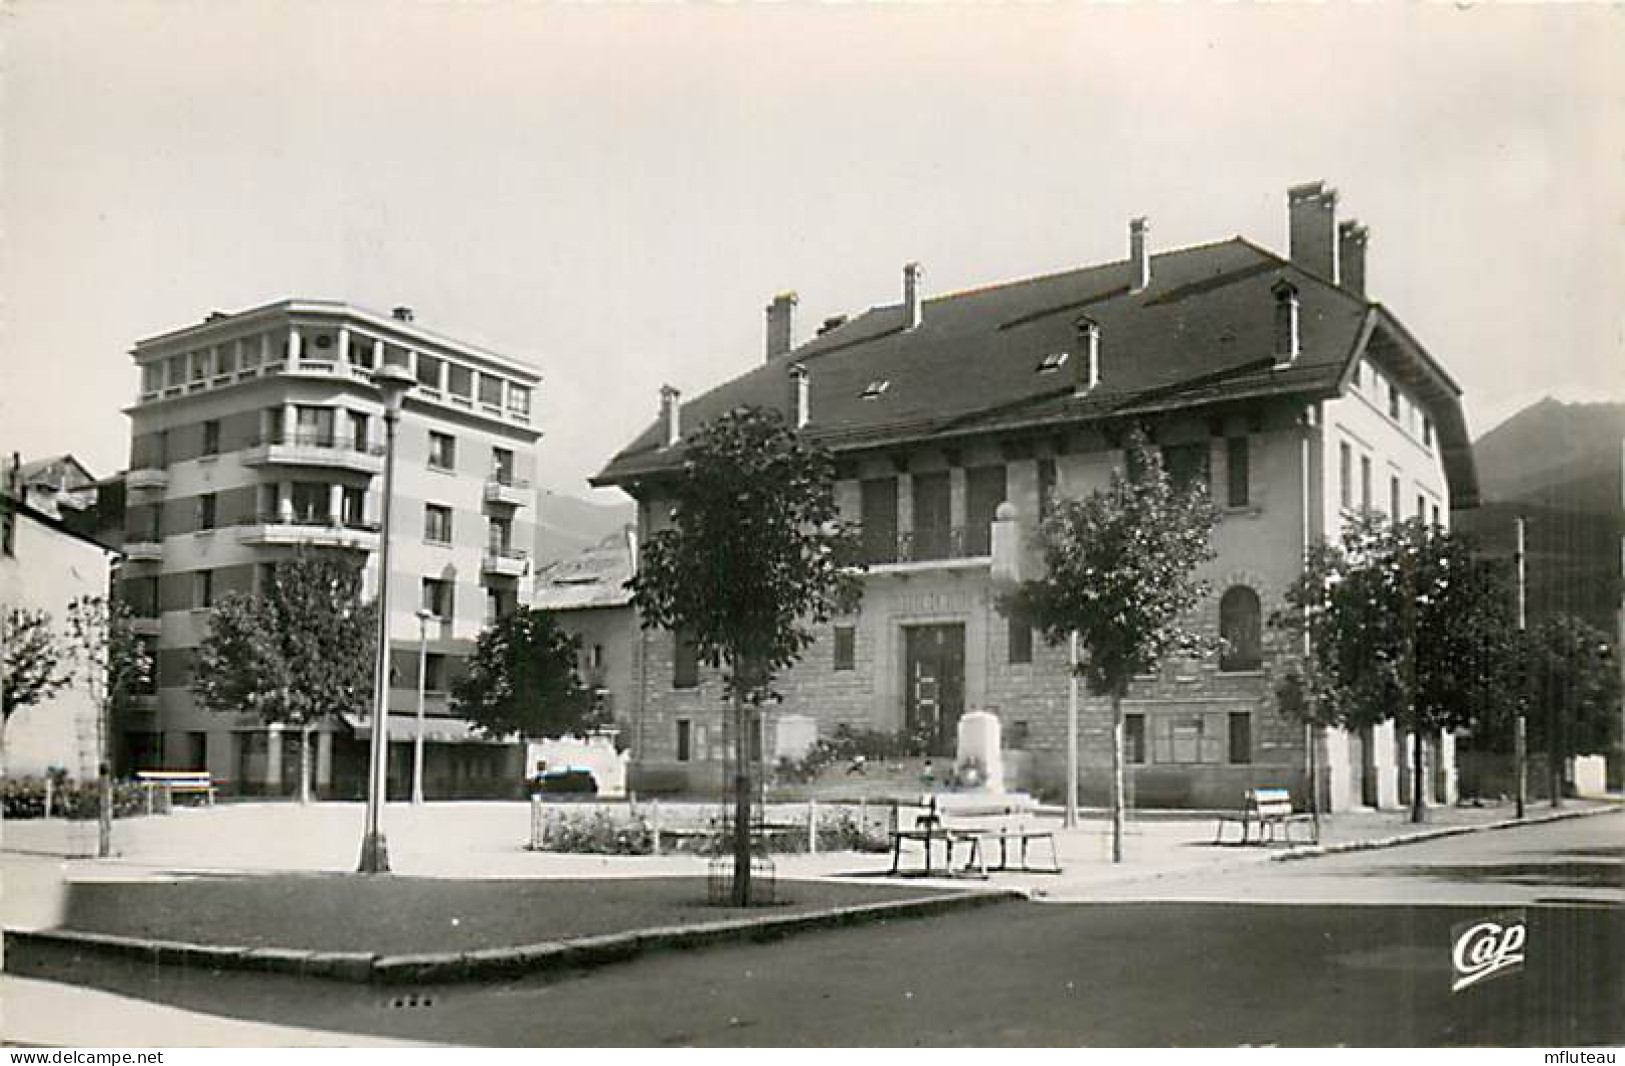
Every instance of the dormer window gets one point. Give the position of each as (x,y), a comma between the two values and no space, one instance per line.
(875,388)
(1052,362)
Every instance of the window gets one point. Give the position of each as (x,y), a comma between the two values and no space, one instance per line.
(1393,498)
(442,451)
(1239,628)
(846,640)
(875,389)
(175,370)
(1186,463)
(519,400)
(315,425)
(933,522)
(1427,432)
(459,381)
(358,431)
(1241,737)
(597,656)
(501,536)
(685,670)
(361,352)
(502,466)
(437,523)
(1021,637)
(984,491)
(203,588)
(1046,487)
(1185,738)
(152,378)
(434,672)
(1435,514)
(354,503)
(499,603)
(211,437)
(1238,471)
(1345,471)
(1393,401)
(225,359)
(1134,738)
(1421,509)
(1052,362)
(428,371)
(310,500)
(200,365)
(490,390)
(437,597)
(685,740)
(8,528)
(879,520)
(205,511)
(1365,484)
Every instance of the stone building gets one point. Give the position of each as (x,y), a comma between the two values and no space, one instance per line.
(259,434)
(1277,379)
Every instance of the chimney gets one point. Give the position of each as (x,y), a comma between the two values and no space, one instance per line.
(912,312)
(1087,375)
(799,395)
(402,314)
(781,324)
(1139,254)
(1351,242)
(670,414)
(1312,228)
(1287,340)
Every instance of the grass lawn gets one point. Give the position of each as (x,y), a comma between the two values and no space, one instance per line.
(409,915)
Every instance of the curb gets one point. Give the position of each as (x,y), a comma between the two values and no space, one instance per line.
(1317,851)
(485,963)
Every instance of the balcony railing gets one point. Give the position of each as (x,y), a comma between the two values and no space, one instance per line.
(925,544)
(308,447)
(507,489)
(505,560)
(270,527)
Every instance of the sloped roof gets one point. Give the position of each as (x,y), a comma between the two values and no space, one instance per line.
(1201,332)
(592,578)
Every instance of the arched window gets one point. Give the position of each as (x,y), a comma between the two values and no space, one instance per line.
(1239,626)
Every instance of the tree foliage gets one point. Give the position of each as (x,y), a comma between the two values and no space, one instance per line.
(1120,570)
(1404,623)
(755,555)
(522,679)
(35,662)
(1573,683)
(107,655)
(299,651)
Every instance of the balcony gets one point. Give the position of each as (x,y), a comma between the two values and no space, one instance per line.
(925,548)
(508,491)
(502,561)
(144,548)
(314,448)
(146,625)
(147,477)
(318,530)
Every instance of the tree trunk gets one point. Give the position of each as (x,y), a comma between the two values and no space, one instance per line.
(741,840)
(1555,749)
(1118,791)
(1418,809)
(304,765)
(104,809)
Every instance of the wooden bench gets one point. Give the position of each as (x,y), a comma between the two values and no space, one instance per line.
(176,782)
(976,822)
(1263,810)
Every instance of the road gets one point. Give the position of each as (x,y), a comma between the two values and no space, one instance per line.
(1351,949)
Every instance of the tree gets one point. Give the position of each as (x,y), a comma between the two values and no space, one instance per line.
(295,654)
(32,667)
(109,659)
(755,555)
(1404,623)
(1119,572)
(1573,685)
(522,679)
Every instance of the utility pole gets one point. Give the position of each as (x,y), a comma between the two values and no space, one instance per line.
(1520,742)
(1071,820)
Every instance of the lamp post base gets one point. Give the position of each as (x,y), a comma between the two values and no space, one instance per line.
(374,854)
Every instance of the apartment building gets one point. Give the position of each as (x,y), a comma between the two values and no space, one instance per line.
(258,435)
(1276,379)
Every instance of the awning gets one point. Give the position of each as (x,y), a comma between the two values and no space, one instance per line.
(437,729)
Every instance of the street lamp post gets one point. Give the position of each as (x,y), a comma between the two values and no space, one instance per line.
(393,383)
(425,616)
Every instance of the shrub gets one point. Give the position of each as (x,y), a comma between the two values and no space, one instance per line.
(24,797)
(597,831)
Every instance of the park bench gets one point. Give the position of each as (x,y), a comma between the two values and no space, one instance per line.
(171,783)
(977,822)
(1263,810)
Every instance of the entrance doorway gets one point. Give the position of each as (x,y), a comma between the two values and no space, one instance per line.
(934,685)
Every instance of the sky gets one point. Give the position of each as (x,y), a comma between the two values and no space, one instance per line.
(614,192)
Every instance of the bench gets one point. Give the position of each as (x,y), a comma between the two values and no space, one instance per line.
(176,782)
(1263,810)
(976,822)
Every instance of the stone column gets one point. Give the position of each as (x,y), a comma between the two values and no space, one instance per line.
(343,354)
(296,346)
(1342,776)
(1386,744)
(273,759)
(905,505)
(324,759)
(284,500)
(1447,767)
(335,503)
(290,422)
